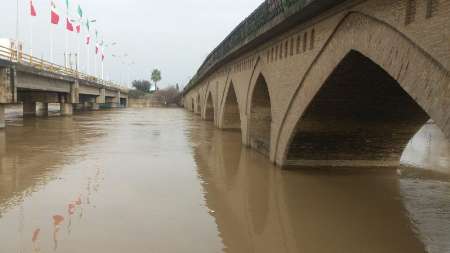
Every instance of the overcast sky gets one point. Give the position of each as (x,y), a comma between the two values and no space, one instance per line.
(174,36)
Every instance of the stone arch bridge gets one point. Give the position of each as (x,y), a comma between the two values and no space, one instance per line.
(339,83)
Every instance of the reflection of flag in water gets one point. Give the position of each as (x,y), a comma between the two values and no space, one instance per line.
(33,12)
(71,209)
(57,220)
(54,14)
(35,235)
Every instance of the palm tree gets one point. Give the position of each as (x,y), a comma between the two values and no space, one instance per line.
(156,77)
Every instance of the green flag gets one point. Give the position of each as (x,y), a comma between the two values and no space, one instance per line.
(67,3)
(80,11)
(87,24)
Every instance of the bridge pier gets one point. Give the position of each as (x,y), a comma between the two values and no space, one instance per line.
(29,108)
(41,109)
(2,116)
(66,109)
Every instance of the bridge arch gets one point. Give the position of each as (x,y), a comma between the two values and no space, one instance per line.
(230,118)
(362,55)
(260,117)
(209,114)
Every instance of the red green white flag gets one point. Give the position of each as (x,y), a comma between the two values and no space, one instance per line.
(54,14)
(69,25)
(33,12)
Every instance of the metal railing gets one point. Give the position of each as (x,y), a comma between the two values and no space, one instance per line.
(11,55)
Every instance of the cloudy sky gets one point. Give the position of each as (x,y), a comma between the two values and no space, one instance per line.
(174,36)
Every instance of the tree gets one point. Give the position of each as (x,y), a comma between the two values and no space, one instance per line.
(169,96)
(156,77)
(142,85)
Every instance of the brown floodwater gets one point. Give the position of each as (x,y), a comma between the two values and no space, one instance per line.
(161,180)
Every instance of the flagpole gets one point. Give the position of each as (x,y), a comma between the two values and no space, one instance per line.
(31,36)
(78,48)
(88,59)
(95,64)
(65,52)
(17,30)
(51,43)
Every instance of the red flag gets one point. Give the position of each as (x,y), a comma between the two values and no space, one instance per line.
(32,9)
(55,16)
(78,28)
(88,40)
(103,57)
(96,49)
(69,25)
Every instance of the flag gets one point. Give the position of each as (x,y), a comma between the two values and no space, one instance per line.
(67,4)
(103,57)
(88,40)
(96,48)
(32,9)
(78,28)
(54,14)
(80,11)
(69,25)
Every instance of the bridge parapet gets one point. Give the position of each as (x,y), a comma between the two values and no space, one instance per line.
(261,25)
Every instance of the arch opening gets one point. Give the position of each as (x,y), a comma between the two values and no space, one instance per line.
(260,117)
(361,116)
(231,115)
(209,110)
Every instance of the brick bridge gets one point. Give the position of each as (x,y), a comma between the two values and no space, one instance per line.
(341,83)
(36,83)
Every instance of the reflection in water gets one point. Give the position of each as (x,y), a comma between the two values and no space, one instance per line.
(353,210)
(171,183)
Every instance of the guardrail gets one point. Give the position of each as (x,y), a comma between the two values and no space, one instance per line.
(41,64)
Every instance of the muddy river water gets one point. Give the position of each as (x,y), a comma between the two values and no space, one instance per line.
(161,180)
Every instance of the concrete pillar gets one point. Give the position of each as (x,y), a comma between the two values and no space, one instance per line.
(41,109)
(74,96)
(102,98)
(8,90)
(2,116)
(29,108)
(66,109)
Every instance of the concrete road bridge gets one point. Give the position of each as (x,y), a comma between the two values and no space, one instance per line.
(339,83)
(35,83)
